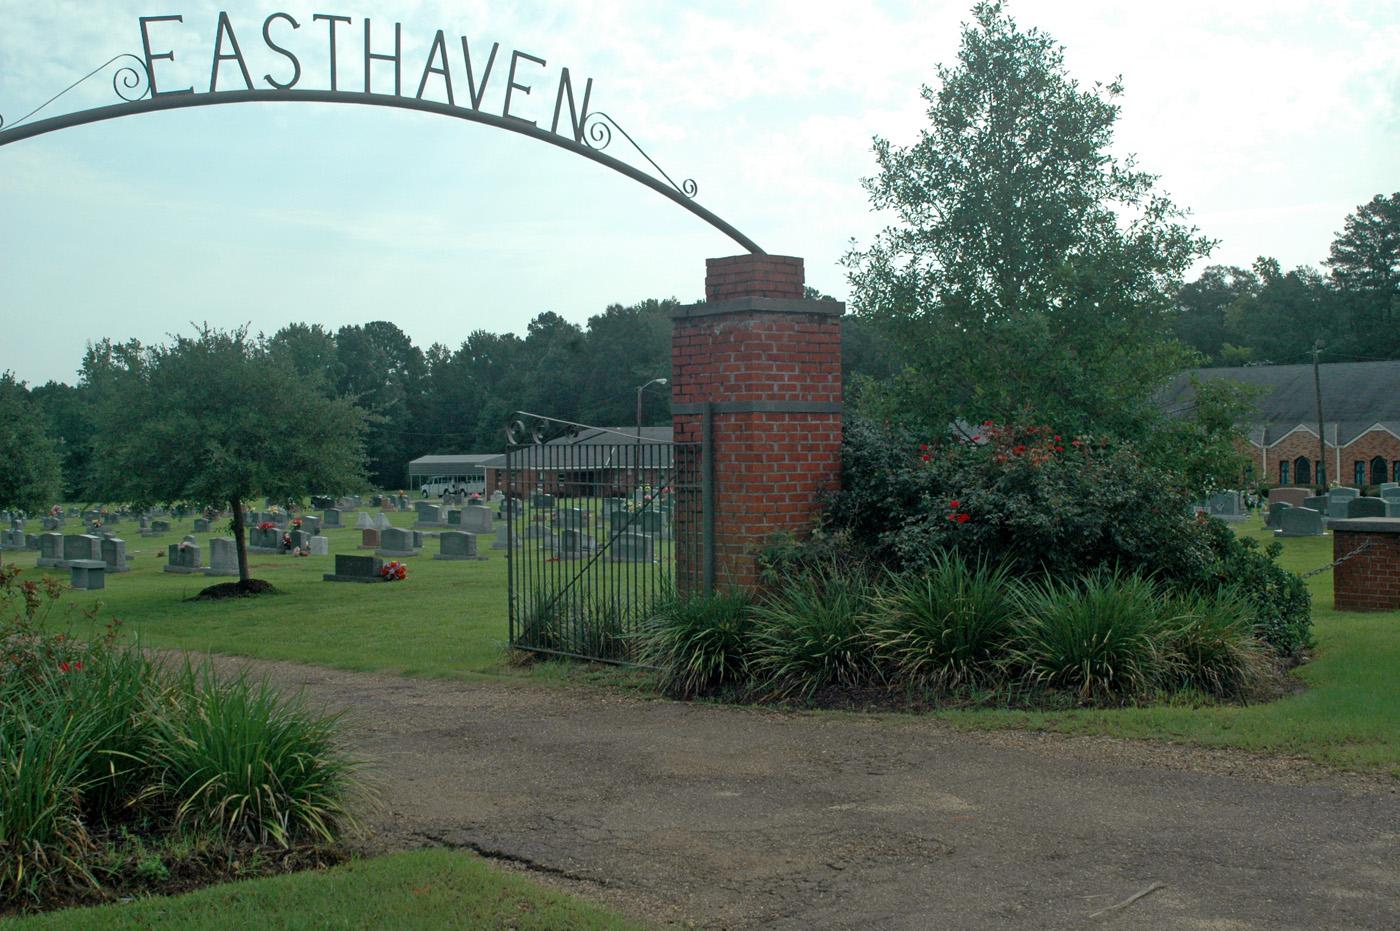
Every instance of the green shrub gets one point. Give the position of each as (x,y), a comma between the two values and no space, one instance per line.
(1207,644)
(237,759)
(945,627)
(698,644)
(1050,504)
(808,635)
(1094,638)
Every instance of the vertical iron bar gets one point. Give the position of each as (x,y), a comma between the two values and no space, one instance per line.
(707,496)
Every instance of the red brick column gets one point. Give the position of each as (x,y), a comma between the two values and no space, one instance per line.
(764,365)
(1371,580)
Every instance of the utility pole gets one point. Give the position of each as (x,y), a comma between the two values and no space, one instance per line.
(1321,440)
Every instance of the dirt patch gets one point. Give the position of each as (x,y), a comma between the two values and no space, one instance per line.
(249,589)
(742,817)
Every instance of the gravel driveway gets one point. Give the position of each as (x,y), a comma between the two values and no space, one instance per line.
(736,817)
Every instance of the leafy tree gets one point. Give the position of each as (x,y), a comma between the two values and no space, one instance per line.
(1365,264)
(30,479)
(1202,447)
(1203,309)
(311,350)
(66,409)
(1284,315)
(382,371)
(220,419)
(1028,270)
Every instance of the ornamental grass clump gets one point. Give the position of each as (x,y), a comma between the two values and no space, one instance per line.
(809,635)
(947,627)
(699,644)
(1208,644)
(239,760)
(1094,638)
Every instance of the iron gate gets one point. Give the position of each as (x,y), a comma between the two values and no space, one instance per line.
(599,525)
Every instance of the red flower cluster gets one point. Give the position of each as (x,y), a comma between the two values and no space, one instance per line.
(266,525)
(956,516)
(393,571)
(75,666)
(296,522)
(1032,445)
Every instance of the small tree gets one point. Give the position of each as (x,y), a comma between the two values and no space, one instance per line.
(220,419)
(1026,269)
(29,471)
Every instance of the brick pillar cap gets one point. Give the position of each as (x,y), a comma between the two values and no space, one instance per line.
(767,305)
(1365,525)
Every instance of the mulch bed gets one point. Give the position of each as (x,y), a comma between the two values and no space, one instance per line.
(248,589)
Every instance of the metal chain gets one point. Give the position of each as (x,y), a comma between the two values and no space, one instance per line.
(1332,565)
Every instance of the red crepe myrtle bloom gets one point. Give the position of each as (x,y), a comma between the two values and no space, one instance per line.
(963,518)
(926,457)
(1059,449)
(954,503)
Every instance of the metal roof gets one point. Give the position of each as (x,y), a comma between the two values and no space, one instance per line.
(462,462)
(1356,396)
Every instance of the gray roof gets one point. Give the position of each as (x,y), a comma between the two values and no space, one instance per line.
(1356,396)
(594,448)
(463,462)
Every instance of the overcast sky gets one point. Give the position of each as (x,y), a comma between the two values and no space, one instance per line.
(1270,121)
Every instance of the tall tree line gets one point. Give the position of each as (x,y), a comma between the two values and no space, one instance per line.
(1265,315)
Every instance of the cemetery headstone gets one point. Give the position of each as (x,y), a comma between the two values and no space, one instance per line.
(497,496)
(311,524)
(502,540)
(318,546)
(300,539)
(160,526)
(572,519)
(511,506)
(184,558)
(1390,494)
(541,500)
(1226,505)
(381,522)
(454,517)
(50,523)
(88,574)
(81,546)
(427,515)
(1365,507)
(476,518)
(573,544)
(630,547)
(395,543)
(351,568)
(223,557)
(1299,522)
(12,539)
(369,538)
(31,541)
(650,522)
(50,549)
(1316,503)
(1276,510)
(114,554)
(264,540)
(456,544)
(201,525)
(363,521)
(330,518)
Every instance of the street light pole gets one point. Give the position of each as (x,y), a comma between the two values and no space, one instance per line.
(654,381)
(1321,440)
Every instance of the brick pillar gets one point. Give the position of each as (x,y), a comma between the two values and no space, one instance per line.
(1371,580)
(765,363)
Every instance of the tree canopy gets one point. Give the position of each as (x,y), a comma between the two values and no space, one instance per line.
(220,419)
(29,459)
(1029,272)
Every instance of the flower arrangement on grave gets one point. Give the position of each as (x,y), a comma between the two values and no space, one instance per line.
(393,571)
(267,525)
(296,523)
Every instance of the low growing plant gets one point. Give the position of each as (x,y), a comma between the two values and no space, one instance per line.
(946,627)
(699,644)
(1095,637)
(809,634)
(1207,644)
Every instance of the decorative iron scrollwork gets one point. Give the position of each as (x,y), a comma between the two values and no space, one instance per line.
(127,79)
(598,135)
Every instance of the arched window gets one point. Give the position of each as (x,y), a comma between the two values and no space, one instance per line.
(1358,473)
(1283,472)
(1302,470)
(1378,470)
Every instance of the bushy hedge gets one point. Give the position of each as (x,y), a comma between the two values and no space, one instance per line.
(103,750)
(1053,505)
(957,630)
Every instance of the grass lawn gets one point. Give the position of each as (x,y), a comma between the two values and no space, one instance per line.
(420,889)
(449,619)
(1349,716)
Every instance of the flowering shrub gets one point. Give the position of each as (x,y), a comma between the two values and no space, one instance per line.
(393,571)
(1046,503)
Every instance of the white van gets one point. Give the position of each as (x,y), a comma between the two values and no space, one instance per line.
(438,485)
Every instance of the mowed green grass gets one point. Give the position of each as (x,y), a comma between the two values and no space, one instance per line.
(1348,716)
(421,889)
(448,618)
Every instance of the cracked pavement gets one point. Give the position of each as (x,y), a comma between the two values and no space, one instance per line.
(743,817)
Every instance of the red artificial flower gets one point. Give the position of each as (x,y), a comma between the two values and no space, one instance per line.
(963,518)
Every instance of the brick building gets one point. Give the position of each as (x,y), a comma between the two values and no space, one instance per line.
(1361,421)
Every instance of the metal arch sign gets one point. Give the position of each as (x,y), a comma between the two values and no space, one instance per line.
(137,81)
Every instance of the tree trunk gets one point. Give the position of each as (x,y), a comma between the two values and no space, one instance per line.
(240,539)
